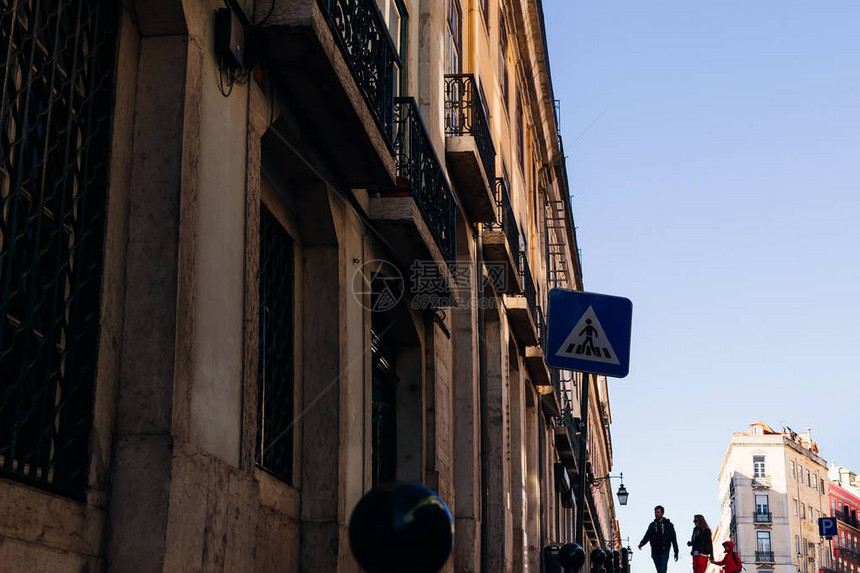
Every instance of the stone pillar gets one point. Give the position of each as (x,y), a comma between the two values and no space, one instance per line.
(497,533)
(536,498)
(143,444)
(467,460)
(519,502)
(320,412)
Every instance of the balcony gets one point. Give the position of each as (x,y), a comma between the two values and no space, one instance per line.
(335,64)
(848,520)
(848,553)
(502,243)
(417,217)
(469,149)
(762,517)
(535,361)
(522,308)
(764,556)
(760,481)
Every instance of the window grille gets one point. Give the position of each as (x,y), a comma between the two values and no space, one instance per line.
(56,103)
(276,406)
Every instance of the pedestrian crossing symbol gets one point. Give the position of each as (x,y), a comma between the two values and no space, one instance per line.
(588,340)
(588,332)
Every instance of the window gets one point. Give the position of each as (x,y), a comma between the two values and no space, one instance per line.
(520,128)
(758,466)
(822,490)
(808,480)
(275,400)
(761,505)
(453,38)
(815,481)
(797,544)
(394,14)
(55,128)
(793,476)
(802,511)
(800,473)
(503,63)
(763,541)
(795,507)
(383,404)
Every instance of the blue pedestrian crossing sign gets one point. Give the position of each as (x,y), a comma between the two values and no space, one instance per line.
(827,526)
(589,332)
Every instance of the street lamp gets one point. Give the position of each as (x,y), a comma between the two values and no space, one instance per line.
(622,491)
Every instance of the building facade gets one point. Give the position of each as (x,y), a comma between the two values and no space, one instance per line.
(254,265)
(844,489)
(773,487)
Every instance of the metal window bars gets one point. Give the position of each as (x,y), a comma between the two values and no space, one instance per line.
(56,104)
(275,399)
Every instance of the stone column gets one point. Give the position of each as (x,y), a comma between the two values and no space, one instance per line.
(497,533)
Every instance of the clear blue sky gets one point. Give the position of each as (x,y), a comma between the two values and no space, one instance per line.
(720,191)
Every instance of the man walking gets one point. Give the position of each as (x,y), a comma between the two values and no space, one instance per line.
(661,535)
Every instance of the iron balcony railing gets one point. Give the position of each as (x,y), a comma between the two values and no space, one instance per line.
(506,220)
(541,327)
(849,552)
(360,32)
(847,519)
(419,170)
(465,115)
(761,481)
(762,517)
(527,284)
(764,556)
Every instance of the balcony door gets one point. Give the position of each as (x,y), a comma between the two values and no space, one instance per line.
(761,505)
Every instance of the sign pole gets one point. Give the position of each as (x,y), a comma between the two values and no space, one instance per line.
(581,460)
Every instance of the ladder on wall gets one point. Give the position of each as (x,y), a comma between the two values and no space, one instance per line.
(557,270)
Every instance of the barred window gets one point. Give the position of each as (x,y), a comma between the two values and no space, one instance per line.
(276,405)
(56,85)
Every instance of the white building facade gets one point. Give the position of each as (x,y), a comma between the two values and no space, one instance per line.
(773,487)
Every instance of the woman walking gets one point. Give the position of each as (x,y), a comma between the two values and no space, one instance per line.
(702,549)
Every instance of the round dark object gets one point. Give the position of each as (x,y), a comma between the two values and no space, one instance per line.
(598,556)
(401,527)
(571,556)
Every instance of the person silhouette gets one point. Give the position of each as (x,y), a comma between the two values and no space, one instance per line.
(590,334)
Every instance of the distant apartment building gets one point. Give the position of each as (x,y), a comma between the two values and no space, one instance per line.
(773,489)
(844,506)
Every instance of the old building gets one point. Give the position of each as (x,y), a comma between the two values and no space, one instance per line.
(773,490)
(255,264)
(844,493)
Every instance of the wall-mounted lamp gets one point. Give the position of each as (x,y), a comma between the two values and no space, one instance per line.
(544,389)
(622,491)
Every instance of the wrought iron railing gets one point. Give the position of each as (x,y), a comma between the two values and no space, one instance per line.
(465,115)
(764,556)
(419,170)
(848,520)
(541,327)
(363,37)
(761,481)
(762,517)
(506,220)
(56,84)
(527,284)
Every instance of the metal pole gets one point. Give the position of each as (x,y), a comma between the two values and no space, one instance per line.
(581,461)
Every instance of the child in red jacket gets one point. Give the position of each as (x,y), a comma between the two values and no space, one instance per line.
(731,562)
